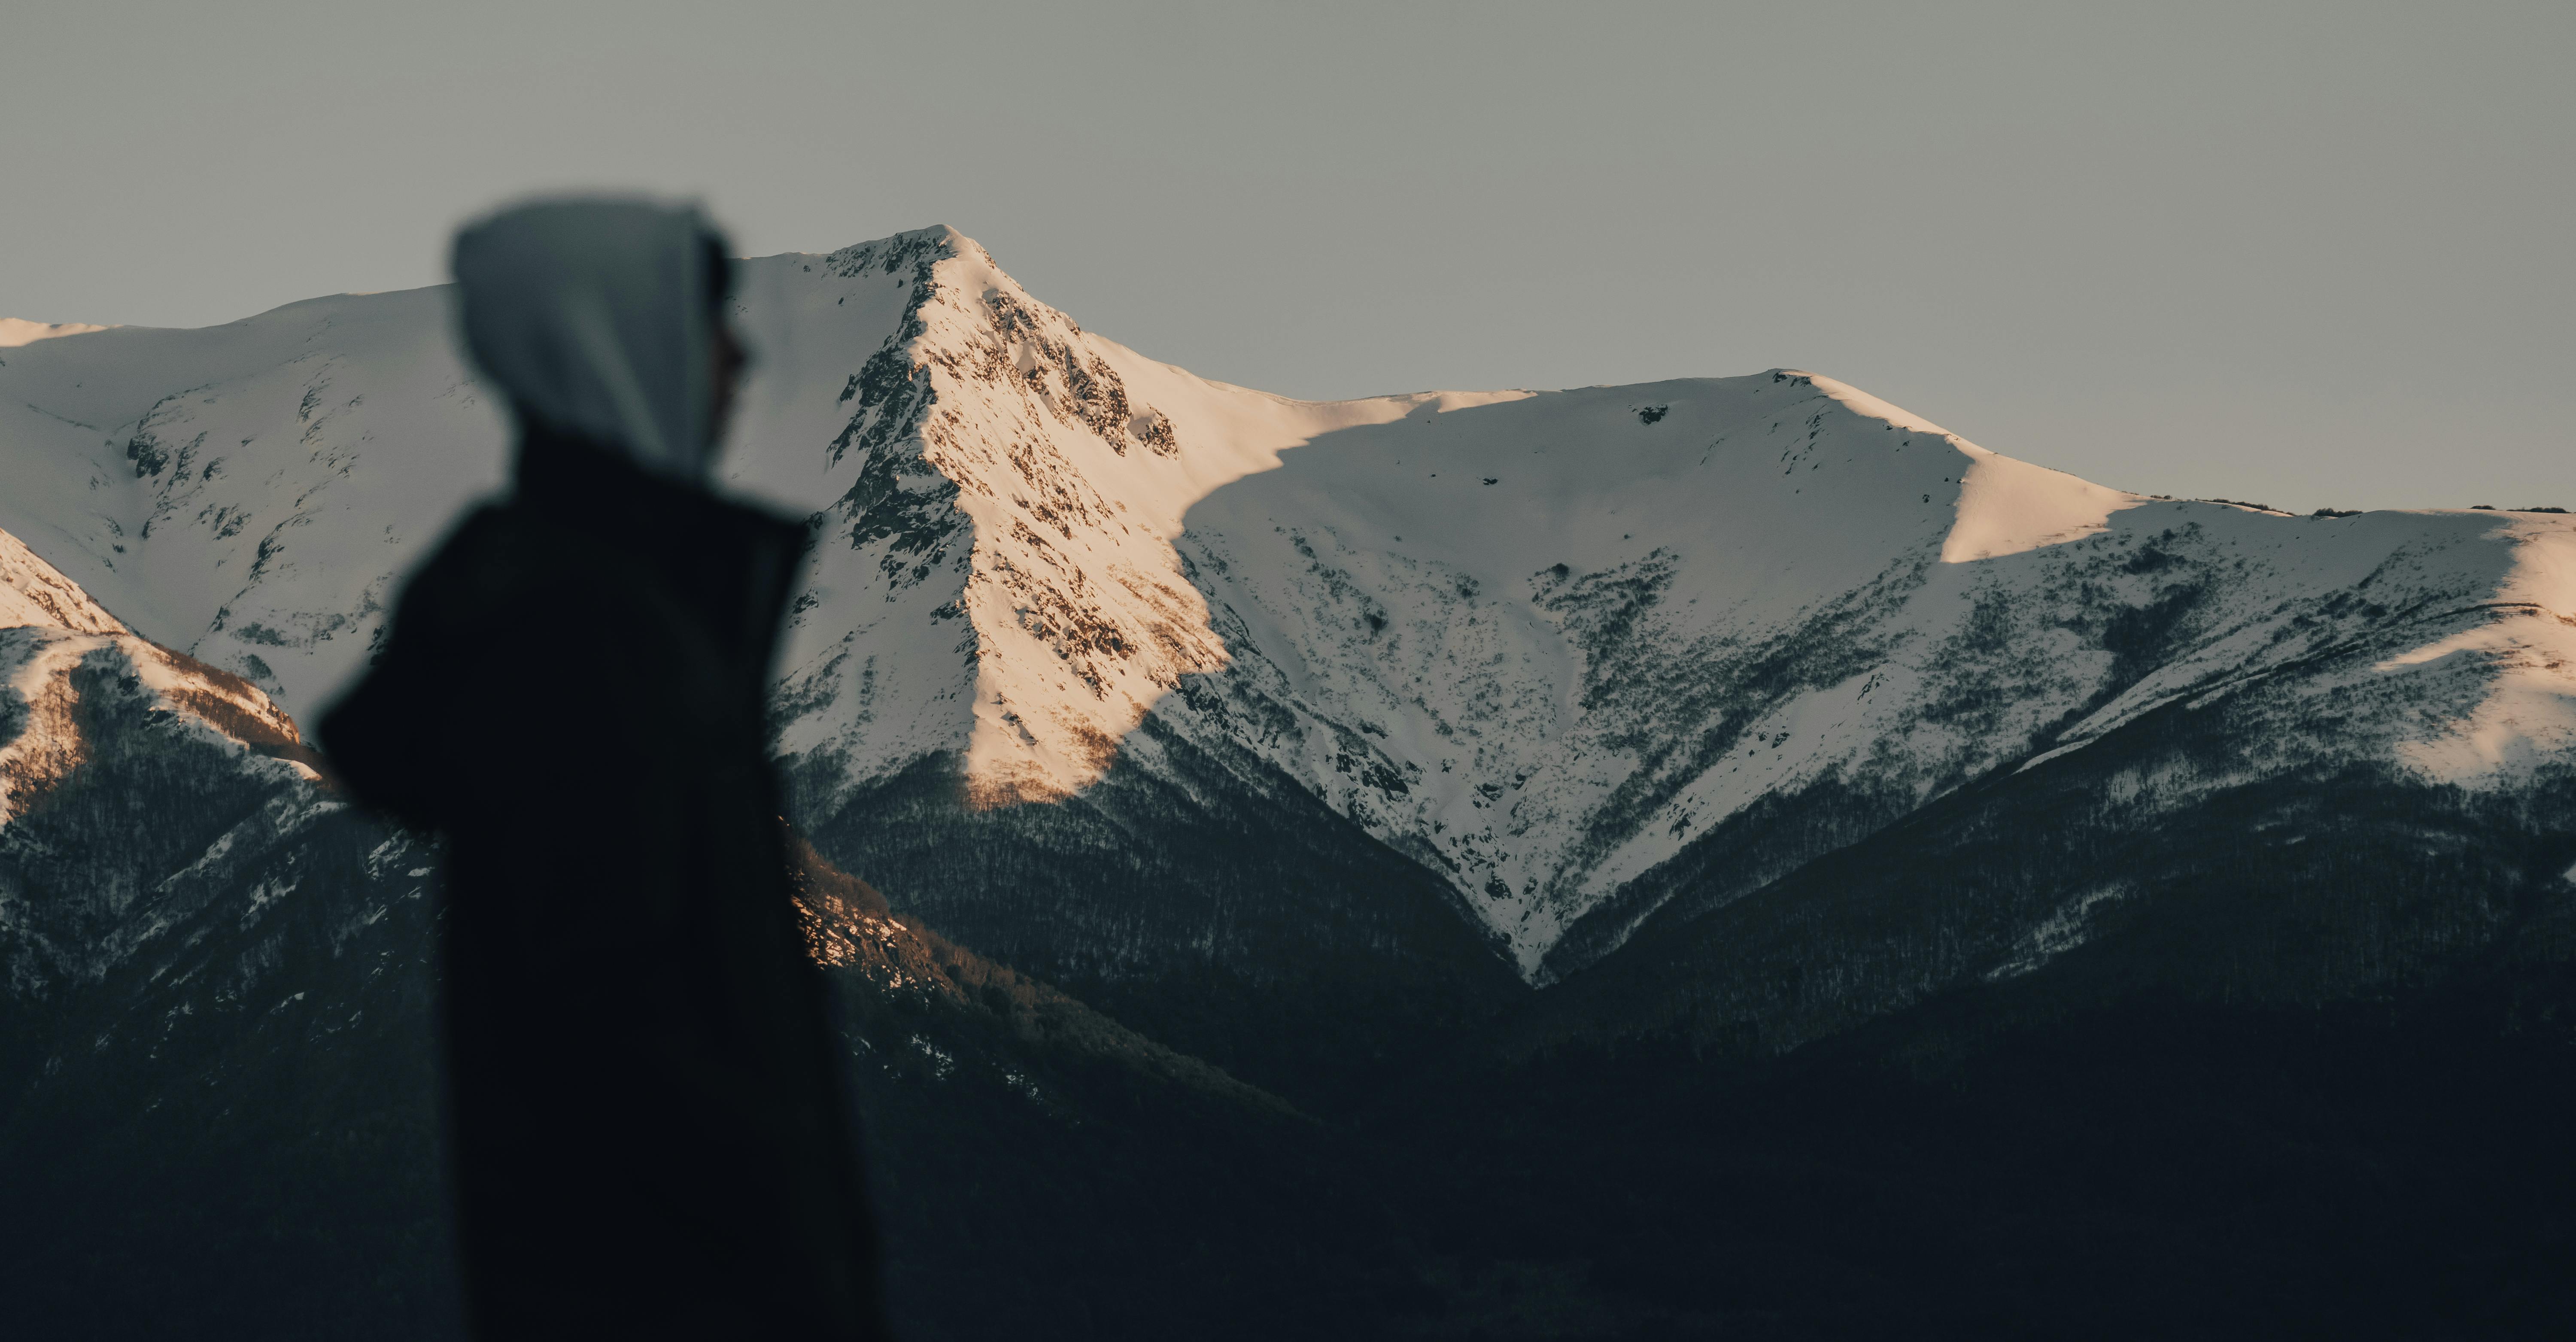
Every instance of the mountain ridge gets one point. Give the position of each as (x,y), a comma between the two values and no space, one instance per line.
(1035,539)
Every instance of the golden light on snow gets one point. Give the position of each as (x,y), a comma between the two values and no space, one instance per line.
(17,331)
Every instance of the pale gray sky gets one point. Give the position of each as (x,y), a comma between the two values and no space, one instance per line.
(2312,254)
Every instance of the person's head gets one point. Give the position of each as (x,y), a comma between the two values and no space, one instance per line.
(605,319)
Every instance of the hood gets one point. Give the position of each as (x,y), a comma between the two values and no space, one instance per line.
(594,317)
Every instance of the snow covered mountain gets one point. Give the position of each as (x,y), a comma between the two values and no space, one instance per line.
(1539,644)
(1383,802)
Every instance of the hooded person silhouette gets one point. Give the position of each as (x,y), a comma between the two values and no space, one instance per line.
(650,1134)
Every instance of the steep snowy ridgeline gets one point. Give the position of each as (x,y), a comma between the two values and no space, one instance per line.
(35,592)
(56,646)
(1542,643)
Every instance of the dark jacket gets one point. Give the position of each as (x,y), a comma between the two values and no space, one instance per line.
(649,1126)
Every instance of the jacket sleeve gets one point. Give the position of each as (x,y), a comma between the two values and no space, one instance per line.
(380,739)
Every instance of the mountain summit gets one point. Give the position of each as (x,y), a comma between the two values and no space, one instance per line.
(1543,645)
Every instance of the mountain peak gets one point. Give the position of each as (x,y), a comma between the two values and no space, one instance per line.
(1544,644)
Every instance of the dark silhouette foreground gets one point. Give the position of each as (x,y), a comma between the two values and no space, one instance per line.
(650,1132)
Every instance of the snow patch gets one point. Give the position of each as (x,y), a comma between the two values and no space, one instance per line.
(2063,931)
(18,331)
(2008,507)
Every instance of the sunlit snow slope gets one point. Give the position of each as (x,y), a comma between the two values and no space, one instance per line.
(1539,642)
